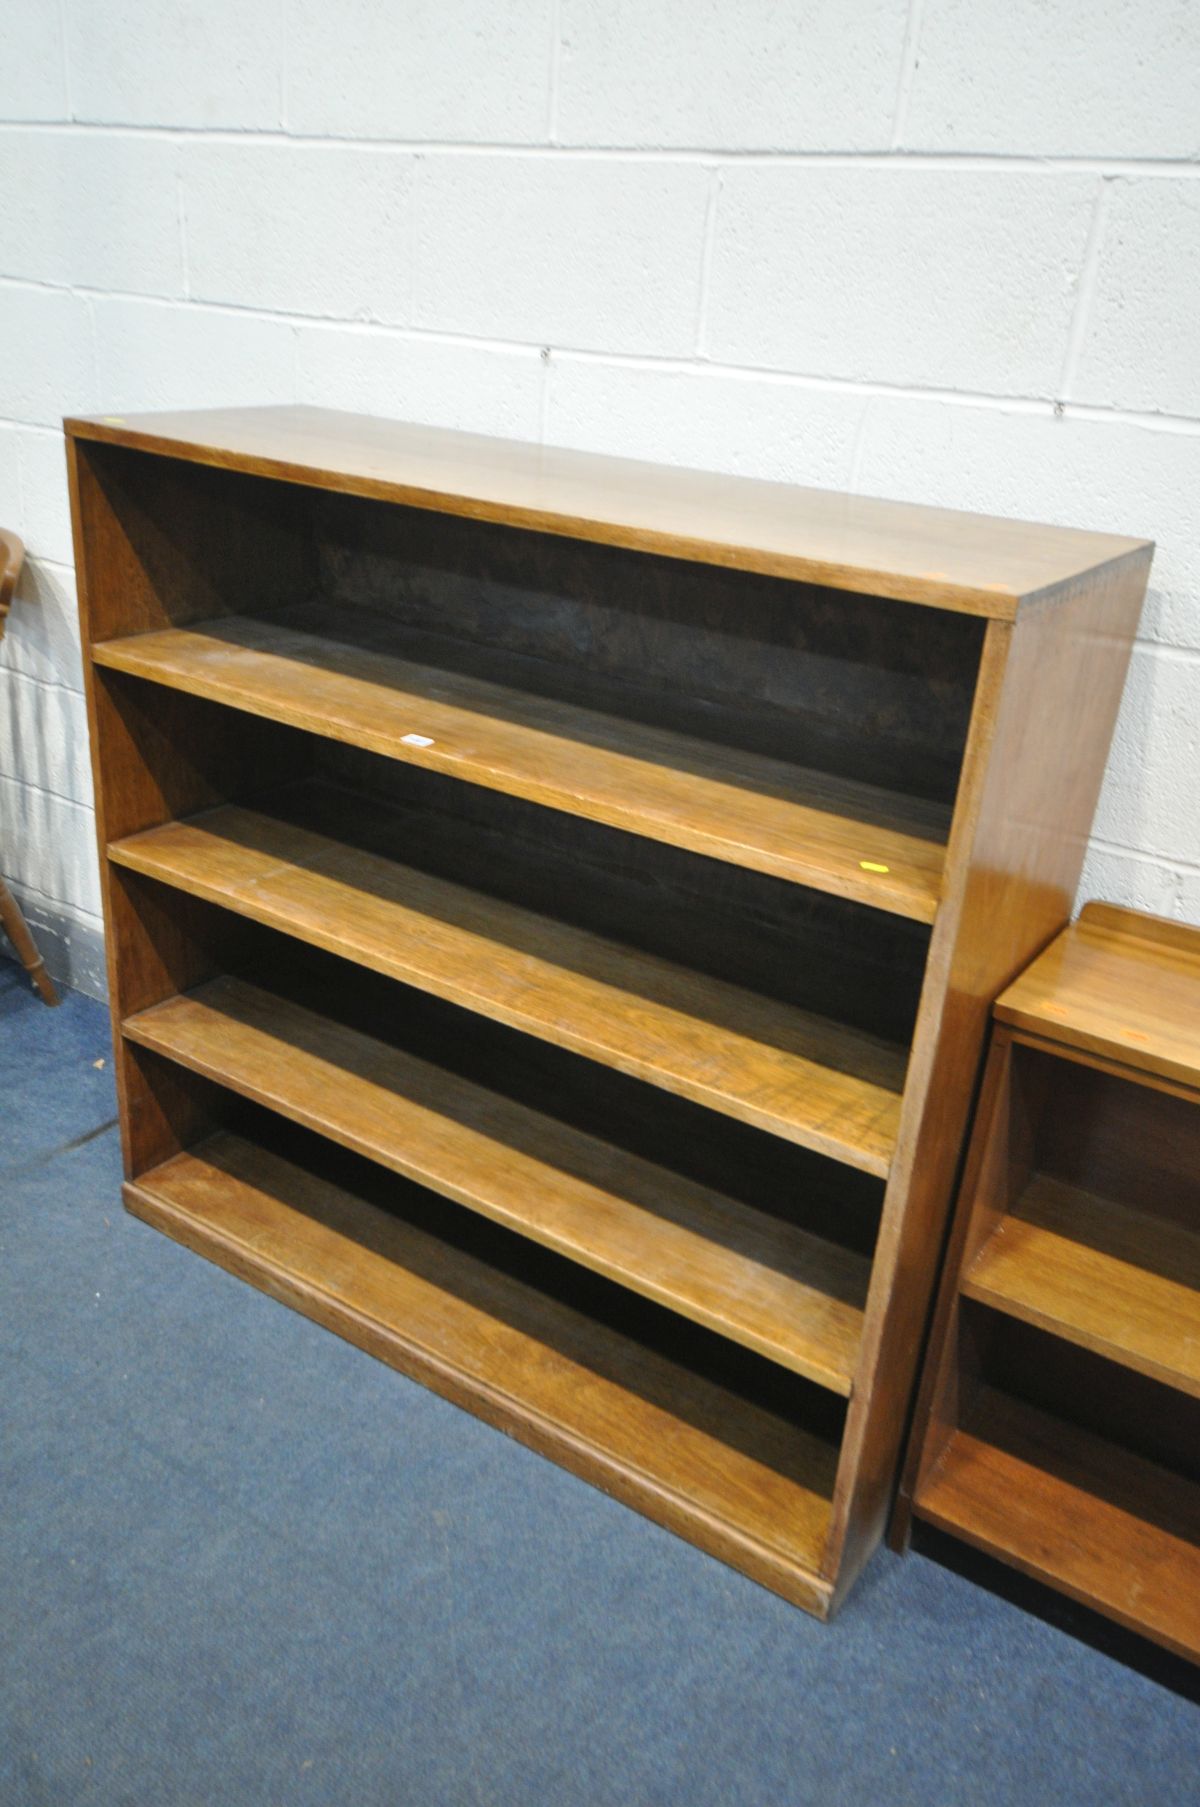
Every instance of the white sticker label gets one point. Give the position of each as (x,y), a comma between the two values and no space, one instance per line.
(416,740)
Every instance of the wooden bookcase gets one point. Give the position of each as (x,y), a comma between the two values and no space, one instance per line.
(1059,1420)
(554,906)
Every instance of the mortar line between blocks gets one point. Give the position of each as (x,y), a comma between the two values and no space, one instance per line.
(29,677)
(44,790)
(1149,419)
(1181,167)
(66,60)
(185,272)
(552,73)
(908,70)
(84,917)
(20,463)
(1166,862)
(547,376)
(1167,651)
(707,253)
(89,302)
(1088,274)
(284,73)
(856,452)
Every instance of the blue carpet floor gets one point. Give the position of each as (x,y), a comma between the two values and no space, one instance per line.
(242,1563)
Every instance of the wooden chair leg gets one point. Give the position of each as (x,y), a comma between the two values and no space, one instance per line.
(17,930)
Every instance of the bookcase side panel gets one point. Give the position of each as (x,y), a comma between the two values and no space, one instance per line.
(154,756)
(1049,690)
(171,543)
(983,1196)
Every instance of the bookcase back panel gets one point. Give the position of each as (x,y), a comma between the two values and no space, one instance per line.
(1109,1135)
(764,1172)
(865,688)
(1084,1389)
(841,959)
(174,543)
(743,1163)
(168,755)
(764,1388)
(874,691)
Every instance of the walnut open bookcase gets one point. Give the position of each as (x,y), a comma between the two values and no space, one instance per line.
(1058,1425)
(554,907)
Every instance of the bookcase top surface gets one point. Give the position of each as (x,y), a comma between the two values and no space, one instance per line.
(971,564)
(1121,984)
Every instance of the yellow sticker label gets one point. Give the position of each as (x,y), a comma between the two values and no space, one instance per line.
(873,866)
(114,420)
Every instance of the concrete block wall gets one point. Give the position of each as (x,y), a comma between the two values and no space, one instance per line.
(934,249)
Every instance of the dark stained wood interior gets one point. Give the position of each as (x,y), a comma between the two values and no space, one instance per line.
(976,564)
(769,1174)
(1107,1527)
(844,838)
(764,1283)
(843,960)
(781,669)
(664,1417)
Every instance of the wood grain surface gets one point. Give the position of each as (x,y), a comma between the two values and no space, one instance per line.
(1120,984)
(1046,705)
(1123,1283)
(708,1464)
(816,1082)
(975,563)
(851,839)
(793,1297)
(1106,1527)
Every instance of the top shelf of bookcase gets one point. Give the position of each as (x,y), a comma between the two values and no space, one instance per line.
(1119,984)
(970,564)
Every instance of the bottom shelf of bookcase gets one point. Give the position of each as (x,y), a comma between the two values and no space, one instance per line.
(733,1476)
(1114,1531)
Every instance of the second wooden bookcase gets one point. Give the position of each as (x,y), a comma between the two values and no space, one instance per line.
(1058,1422)
(553,911)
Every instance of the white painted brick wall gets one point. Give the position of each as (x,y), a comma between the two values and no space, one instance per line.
(939,278)
(775,75)
(46,335)
(1139,347)
(91,210)
(745,423)
(920,248)
(156,354)
(1092,78)
(31,41)
(299,228)
(436,70)
(481,388)
(143,62)
(579,251)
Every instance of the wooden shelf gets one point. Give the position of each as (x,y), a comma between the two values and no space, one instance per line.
(814,1082)
(730,1475)
(790,1296)
(939,557)
(1120,985)
(833,834)
(1119,1282)
(1106,1527)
